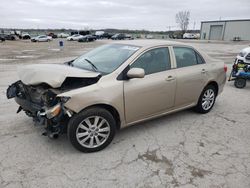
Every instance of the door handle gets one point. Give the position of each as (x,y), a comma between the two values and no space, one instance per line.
(170,78)
(203,71)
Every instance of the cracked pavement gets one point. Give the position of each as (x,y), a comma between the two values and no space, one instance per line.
(184,149)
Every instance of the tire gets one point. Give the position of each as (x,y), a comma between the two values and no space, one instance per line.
(240,83)
(205,104)
(103,132)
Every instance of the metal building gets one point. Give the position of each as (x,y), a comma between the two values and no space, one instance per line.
(225,30)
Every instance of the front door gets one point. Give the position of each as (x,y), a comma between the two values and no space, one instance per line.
(155,92)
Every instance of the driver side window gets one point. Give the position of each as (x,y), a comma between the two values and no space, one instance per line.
(153,61)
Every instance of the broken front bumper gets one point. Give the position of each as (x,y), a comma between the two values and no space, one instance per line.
(22,97)
(53,116)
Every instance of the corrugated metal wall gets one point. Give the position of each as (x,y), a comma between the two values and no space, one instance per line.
(228,29)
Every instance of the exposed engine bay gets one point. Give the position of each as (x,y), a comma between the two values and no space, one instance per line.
(42,104)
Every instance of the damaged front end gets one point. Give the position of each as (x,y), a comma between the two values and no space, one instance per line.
(42,104)
(37,93)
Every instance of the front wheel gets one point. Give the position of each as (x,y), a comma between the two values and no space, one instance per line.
(206,100)
(91,130)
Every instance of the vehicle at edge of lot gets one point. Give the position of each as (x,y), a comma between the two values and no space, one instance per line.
(244,55)
(190,36)
(87,38)
(149,37)
(25,36)
(62,35)
(241,69)
(117,85)
(129,37)
(99,34)
(53,35)
(74,37)
(41,38)
(2,38)
(103,35)
(118,36)
(9,36)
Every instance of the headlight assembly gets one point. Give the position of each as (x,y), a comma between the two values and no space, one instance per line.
(53,111)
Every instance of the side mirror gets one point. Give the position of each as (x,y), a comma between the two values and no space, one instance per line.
(136,73)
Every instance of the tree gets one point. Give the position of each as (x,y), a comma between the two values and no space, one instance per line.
(182,19)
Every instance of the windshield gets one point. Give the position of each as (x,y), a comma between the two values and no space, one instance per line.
(106,58)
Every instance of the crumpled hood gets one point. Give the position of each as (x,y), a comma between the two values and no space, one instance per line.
(51,74)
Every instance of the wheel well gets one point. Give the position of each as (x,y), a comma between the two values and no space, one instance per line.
(213,83)
(112,110)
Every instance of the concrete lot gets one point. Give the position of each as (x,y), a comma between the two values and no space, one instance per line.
(180,150)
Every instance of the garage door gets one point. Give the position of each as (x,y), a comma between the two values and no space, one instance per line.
(215,32)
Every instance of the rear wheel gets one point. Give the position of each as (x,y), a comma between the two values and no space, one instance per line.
(91,130)
(206,100)
(240,83)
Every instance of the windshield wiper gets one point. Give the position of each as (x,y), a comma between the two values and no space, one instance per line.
(94,67)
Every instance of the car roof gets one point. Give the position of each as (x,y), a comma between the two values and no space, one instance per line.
(149,43)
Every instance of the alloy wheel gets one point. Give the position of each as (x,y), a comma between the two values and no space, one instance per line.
(208,99)
(93,131)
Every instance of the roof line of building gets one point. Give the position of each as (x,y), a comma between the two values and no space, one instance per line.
(226,20)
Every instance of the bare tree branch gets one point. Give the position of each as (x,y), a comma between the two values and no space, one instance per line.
(182,19)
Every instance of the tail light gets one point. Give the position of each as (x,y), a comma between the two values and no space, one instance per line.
(225,68)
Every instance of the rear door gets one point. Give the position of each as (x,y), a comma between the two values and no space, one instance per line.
(191,75)
(153,94)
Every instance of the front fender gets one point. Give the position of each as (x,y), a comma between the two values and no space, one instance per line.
(109,93)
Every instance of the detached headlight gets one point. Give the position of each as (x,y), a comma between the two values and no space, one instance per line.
(56,110)
(53,111)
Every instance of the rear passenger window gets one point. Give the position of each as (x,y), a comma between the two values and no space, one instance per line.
(186,57)
(199,59)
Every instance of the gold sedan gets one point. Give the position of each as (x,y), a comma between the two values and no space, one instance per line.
(117,85)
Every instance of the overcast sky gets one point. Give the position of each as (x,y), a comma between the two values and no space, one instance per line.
(126,14)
